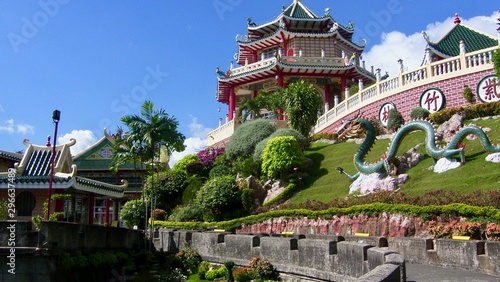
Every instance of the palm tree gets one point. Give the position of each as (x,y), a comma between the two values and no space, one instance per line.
(152,134)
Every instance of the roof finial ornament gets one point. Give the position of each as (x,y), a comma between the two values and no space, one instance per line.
(457,19)
(48,141)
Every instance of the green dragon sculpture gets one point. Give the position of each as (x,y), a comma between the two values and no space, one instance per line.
(357,126)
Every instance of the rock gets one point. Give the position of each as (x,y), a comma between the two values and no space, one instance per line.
(448,129)
(275,189)
(407,160)
(445,164)
(366,184)
(494,158)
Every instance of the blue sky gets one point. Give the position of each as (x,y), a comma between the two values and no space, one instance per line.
(96,61)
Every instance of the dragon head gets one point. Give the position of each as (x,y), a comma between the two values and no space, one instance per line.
(351,128)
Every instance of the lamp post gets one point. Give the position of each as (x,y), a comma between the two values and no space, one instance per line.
(56,116)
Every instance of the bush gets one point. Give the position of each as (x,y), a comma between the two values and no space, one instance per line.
(259,148)
(220,195)
(245,166)
(203,268)
(243,274)
(215,273)
(193,185)
(197,168)
(496,62)
(419,113)
(189,258)
(281,155)
(467,112)
(395,120)
(468,95)
(158,214)
(248,199)
(209,155)
(132,212)
(263,269)
(4,215)
(191,212)
(246,137)
(229,271)
(219,170)
(182,163)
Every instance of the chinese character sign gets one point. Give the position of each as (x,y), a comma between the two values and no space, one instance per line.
(383,114)
(432,100)
(488,89)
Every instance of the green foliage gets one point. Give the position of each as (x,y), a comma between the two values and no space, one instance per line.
(246,137)
(132,213)
(468,95)
(203,268)
(197,168)
(248,199)
(395,120)
(419,113)
(496,62)
(219,170)
(243,274)
(467,112)
(229,271)
(167,186)
(281,155)
(289,191)
(182,163)
(259,149)
(4,215)
(302,105)
(220,196)
(190,212)
(193,185)
(263,269)
(215,273)
(189,258)
(245,166)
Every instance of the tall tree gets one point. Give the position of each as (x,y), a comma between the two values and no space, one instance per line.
(302,105)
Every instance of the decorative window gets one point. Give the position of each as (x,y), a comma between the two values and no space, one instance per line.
(25,203)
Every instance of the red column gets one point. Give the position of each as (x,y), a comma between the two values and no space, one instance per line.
(90,213)
(327,95)
(343,85)
(107,212)
(232,103)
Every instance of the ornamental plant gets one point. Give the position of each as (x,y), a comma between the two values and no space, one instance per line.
(263,269)
(220,196)
(208,156)
(189,258)
(468,95)
(246,137)
(281,155)
(493,231)
(132,213)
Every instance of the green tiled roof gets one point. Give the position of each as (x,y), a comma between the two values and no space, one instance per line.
(297,10)
(449,44)
(11,156)
(35,179)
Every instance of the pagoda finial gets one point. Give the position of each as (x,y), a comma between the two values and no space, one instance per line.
(48,141)
(457,19)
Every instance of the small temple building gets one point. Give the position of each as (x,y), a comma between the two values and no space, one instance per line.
(297,45)
(94,194)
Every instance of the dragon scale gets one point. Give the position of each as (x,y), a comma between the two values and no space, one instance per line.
(450,150)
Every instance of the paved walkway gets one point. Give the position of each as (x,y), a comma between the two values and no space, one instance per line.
(426,273)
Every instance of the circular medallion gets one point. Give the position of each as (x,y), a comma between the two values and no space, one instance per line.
(488,89)
(432,100)
(383,113)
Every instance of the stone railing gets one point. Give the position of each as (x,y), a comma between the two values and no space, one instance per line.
(324,258)
(437,71)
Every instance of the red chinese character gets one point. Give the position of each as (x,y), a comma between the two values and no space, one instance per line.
(385,113)
(431,100)
(490,89)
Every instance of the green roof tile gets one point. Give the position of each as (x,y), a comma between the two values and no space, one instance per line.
(449,44)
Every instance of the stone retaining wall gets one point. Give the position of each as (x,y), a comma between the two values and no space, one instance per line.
(327,258)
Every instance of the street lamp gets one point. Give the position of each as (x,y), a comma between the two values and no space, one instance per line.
(56,116)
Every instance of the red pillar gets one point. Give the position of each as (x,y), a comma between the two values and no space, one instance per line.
(343,85)
(106,218)
(90,213)
(232,103)
(327,95)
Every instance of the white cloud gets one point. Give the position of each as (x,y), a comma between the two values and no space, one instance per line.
(195,143)
(411,48)
(84,139)
(10,126)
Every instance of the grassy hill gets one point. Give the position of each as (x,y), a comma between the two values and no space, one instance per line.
(325,183)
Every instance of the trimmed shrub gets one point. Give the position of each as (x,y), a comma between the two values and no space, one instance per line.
(182,163)
(419,113)
(243,274)
(219,170)
(468,95)
(246,137)
(281,155)
(395,120)
(191,212)
(132,212)
(259,148)
(193,185)
(203,268)
(219,196)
